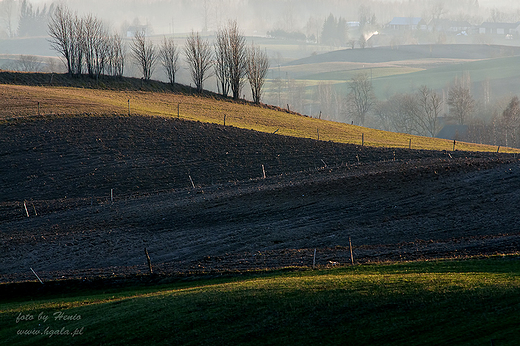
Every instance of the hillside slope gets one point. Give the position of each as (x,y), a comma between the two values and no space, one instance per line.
(21,102)
(86,156)
(413,52)
(316,194)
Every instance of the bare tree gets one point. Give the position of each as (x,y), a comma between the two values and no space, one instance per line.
(402,111)
(237,58)
(77,48)
(257,68)
(144,53)
(362,41)
(8,12)
(438,10)
(222,61)
(430,104)
(61,34)
(460,100)
(116,56)
(95,44)
(361,97)
(367,17)
(169,54)
(510,118)
(324,94)
(198,56)
(382,115)
(29,63)
(415,113)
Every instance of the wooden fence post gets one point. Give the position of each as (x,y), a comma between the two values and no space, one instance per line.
(34,208)
(351,253)
(25,206)
(149,261)
(362,139)
(36,276)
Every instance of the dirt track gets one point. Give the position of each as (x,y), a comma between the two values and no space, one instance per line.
(422,205)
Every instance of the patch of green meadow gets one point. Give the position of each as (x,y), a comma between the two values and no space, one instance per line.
(467,302)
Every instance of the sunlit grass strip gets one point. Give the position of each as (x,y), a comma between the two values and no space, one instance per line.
(442,302)
(206,109)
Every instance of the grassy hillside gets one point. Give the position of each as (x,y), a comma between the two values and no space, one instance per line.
(403,69)
(472,302)
(402,78)
(22,101)
(413,52)
(499,72)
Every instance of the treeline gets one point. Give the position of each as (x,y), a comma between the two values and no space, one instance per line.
(232,62)
(450,113)
(33,21)
(457,113)
(282,34)
(335,31)
(88,47)
(86,44)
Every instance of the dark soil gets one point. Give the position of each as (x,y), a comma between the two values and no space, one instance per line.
(393,204)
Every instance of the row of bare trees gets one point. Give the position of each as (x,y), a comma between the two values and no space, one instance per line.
(85,44)
(232,62)
(421,112)
(146,55)
(415,113)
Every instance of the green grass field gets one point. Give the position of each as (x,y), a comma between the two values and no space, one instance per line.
(402,77)
(445,302)
(440,77)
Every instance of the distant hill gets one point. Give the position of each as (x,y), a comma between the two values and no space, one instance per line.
(412,52)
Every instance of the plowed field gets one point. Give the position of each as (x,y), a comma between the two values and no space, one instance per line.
(98,190)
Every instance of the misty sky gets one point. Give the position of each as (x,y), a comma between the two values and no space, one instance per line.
(256,17)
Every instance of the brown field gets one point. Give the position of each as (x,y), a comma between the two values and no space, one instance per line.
(393,203)
(18,101)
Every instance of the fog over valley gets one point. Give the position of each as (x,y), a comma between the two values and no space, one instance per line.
(318,53)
